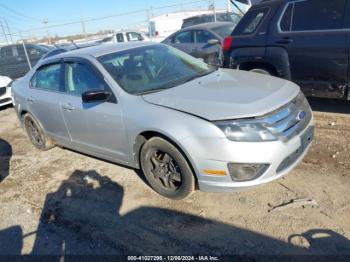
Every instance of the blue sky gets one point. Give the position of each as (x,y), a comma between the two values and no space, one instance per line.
(29,14)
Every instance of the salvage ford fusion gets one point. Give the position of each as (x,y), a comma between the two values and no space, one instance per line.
(185,124)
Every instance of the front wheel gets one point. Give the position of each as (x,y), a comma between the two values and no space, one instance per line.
(166,169)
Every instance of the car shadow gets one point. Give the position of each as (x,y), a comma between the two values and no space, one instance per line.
(85,216)
(11,241)
(329,105)
(5,157)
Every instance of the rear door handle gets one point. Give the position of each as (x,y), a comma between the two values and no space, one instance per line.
(68,107)
(284,41)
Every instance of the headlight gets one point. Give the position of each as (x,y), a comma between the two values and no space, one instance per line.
(245,131)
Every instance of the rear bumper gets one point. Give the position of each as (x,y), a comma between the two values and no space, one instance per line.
(281,156)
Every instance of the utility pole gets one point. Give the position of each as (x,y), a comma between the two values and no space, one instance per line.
(150,30)
(214,10)
(8,29)
(3,30)
(228,2)
(83,28)
(45,22)
(25,51)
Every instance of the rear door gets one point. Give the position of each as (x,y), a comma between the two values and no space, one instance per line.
(312,33)
(94,127)
(44,101)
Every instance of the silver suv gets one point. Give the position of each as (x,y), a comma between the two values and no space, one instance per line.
(153,107)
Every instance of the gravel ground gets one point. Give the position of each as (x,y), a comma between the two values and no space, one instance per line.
(62,202)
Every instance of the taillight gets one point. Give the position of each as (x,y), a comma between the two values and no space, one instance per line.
(226,44)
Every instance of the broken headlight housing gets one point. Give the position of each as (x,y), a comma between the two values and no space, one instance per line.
(246,131)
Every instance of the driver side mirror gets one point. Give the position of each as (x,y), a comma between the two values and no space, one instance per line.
(213,41)
(95,96)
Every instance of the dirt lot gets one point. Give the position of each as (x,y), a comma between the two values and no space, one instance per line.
(62,202)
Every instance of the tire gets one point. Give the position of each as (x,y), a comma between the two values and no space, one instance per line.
(166,169)
(36,134)
(262,71)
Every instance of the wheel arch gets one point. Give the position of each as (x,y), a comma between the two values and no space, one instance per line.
(247,66)
(144,136)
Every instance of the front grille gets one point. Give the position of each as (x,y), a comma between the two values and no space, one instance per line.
(290,120)
(5,100)
(2,91)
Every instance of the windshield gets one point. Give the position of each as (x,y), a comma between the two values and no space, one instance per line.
(152,68)
(224,30)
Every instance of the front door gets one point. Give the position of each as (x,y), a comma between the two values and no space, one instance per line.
(183,41)
(202,49)
(312,33)
(94,127)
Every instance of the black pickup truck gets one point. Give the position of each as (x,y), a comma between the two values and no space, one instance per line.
(13,61)
(306,41)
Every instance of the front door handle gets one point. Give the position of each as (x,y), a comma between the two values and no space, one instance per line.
(284,41)
(68,107)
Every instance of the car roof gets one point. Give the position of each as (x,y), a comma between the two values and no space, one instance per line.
(105,49)
(209,25)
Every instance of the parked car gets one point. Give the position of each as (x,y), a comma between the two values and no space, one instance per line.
(127,36)
(202,41)
(303,41)
(5,91)
(13,61)
(59,49)
(207,18)
(151,106)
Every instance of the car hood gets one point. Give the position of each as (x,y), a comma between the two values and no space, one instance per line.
(227,94)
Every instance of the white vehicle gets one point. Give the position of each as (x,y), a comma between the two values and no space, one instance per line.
(125,36)
(5,91)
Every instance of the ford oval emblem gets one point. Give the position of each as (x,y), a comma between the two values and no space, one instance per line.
(301,115)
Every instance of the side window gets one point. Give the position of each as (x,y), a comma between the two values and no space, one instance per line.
(251,21)
(32,51)
(47,77)
(79,78)
(133,36)
(7,51)
(286,21)
(203,36)
(14,51)
(183,37)
(120,37)
(20,51)
(318,15)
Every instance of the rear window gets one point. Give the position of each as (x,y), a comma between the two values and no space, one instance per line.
(224,30)
(251,21)
(313,15)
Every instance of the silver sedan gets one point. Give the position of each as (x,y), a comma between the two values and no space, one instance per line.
(153,107)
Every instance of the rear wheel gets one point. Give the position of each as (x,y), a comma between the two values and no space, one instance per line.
(166,169)
(36,134)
